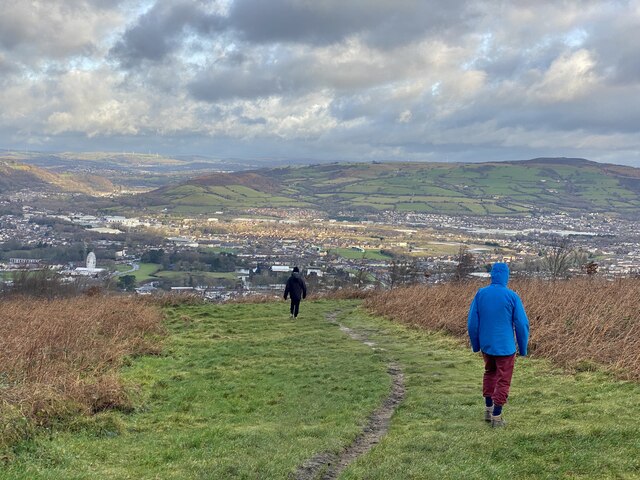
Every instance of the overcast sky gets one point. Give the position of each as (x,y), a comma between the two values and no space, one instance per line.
(437,80)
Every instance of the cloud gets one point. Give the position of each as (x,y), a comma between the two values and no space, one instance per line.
(383,23)
(162,29)
(402,79)
(33,31)
(570,76)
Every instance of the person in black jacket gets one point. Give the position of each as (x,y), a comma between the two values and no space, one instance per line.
(296,289)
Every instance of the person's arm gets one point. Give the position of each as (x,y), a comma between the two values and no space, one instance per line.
(304,288)
(521,326)
(286,290)
(473,325)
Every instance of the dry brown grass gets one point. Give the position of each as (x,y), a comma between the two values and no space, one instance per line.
(59,357)
(344,294)
(579,323)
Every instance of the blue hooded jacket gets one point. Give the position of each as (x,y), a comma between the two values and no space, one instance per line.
(495,313)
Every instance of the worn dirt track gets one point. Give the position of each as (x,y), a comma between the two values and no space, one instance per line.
(328,466)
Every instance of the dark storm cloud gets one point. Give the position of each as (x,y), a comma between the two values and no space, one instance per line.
(330,21)
(162,29)
(231,84)
(616,43)
(293,72)
(385,24)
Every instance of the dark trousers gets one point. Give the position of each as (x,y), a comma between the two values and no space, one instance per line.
(295,306)
(498,371)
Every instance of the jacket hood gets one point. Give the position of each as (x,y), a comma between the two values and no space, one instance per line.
(500,274)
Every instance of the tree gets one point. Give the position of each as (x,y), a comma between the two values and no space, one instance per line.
(403,273)
(557,258)
(153,256)
(361,277)
(45,283)
(579,258)
(466,263)
(127,283)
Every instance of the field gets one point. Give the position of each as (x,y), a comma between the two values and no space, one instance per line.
(511,188)
(173,275)
(146,272)
(241,391)
(357,254)
(153,271)
(59,359)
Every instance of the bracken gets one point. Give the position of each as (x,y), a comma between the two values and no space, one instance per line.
(59,357)
(574,322)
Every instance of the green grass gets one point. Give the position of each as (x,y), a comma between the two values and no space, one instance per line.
(560,426)
(220,250)
(153,271)
(240,392)
(6,275)
(146,271)
(243,392)
(422,187)
(357,254)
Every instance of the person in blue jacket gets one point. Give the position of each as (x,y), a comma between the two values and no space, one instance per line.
(495,314)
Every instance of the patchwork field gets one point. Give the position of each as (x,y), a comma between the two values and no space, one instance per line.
(512,188)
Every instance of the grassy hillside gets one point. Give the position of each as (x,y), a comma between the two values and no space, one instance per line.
(241,391)
(128,169)
(545,185)
(15,176)
(225,191)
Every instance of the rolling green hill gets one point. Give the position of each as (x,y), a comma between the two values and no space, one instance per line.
(539,185)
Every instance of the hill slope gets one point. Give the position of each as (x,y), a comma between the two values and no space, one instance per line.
(15,176)
(244,392)
(519,187)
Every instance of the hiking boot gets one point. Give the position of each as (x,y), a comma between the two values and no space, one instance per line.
(488,411)
(497,421)
(291,315)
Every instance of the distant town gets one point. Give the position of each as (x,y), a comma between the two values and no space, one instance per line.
(223,255)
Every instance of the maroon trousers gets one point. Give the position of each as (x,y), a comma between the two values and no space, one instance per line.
(497,377)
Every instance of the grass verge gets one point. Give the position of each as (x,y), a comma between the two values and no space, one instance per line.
(243,392)
(560,426)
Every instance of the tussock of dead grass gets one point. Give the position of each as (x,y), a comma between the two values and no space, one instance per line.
(256,298)
(345,294)
(167,299)
(576,323)
(59,357)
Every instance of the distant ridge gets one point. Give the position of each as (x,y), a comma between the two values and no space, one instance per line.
(15,176)
(575,162)
(539,185)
